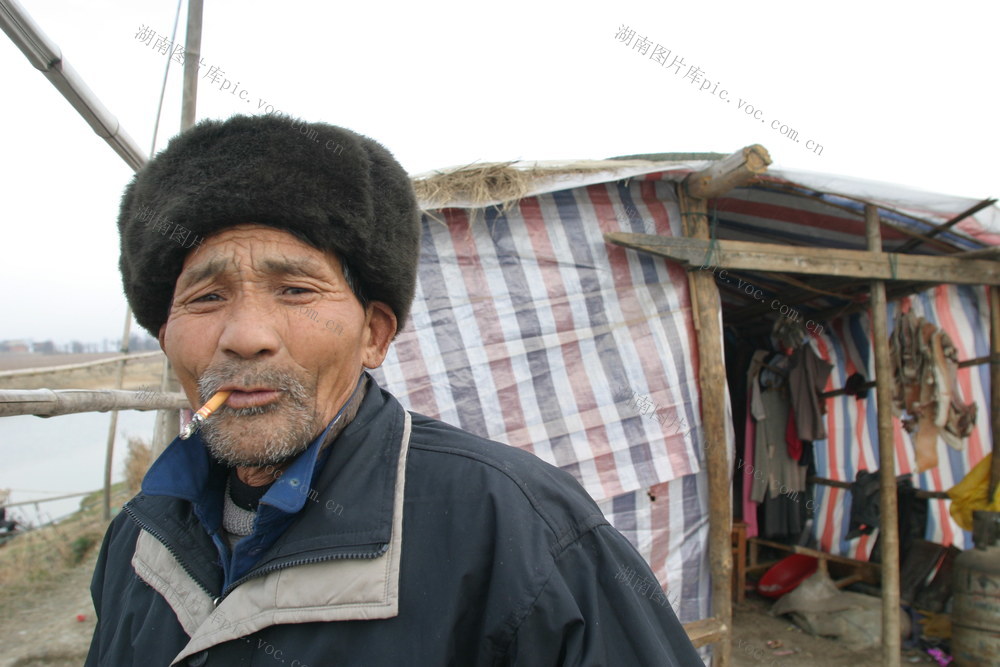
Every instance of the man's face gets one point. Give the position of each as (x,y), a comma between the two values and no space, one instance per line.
(261,313)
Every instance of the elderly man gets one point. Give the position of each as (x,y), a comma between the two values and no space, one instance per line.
(313,521)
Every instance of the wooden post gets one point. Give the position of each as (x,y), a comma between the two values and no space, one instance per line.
(707,317)
(994,388)
(730,172)
(889,522)
(113,426)
(168,421)
(192,53)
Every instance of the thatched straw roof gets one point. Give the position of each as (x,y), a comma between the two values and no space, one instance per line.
(502,183)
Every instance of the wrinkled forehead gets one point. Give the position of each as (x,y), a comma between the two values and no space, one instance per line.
(266,251)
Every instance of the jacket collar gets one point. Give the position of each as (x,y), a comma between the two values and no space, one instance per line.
(356,584)
(348,502)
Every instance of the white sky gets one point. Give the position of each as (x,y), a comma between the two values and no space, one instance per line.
(898,92)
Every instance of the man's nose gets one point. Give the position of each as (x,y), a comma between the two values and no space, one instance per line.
(251,329)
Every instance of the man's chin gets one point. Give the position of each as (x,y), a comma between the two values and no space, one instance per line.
(256,440)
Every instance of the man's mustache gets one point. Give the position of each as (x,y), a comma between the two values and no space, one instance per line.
(240,376)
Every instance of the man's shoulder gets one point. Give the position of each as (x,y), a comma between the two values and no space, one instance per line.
(452,462)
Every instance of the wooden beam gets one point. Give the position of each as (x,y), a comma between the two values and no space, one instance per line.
(48,402)
(744,255)
(889,520)
(109,451)
(36,501)
(737,170)
(994,390)
(42,370)
(993,252)
(945,246)
(977,361)
(707,315)
(873,568)
(945,226)
(799,296)
(919,493)
(706,631)
(894,293)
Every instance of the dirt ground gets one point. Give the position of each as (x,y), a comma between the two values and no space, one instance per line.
(754,627)
(41,628)
(40,625)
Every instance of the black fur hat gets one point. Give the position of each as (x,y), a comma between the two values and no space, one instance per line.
(332,188)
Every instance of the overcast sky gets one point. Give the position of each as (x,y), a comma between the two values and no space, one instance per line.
(897,92)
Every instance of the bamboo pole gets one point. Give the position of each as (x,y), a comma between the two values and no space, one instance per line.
(49,403)
(46,56)
(64,368)
(889,522)
(168,421)
(707,310)
(113,426)
(22,503)
(192,53)
(945,226)
(994,388)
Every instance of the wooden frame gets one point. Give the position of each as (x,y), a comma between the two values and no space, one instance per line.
(697,248)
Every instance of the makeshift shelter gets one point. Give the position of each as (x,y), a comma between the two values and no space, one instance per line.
(533,325)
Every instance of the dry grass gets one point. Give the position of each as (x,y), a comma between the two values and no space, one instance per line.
(499,183)
(46,553)
(137,462)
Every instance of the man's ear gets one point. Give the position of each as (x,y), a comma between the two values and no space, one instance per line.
(161,335)
(380,328)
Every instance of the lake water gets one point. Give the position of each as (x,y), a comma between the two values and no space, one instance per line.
(59,455)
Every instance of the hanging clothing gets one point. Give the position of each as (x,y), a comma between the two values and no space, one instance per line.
(865,508)
(925,368)
(807,377)
(774,471)
(792,438)
(753,383)
(783,517)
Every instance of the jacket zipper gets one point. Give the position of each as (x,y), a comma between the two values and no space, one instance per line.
(159,537)
(367,555)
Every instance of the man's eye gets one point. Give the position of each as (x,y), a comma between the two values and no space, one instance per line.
(207,297)
(297,290)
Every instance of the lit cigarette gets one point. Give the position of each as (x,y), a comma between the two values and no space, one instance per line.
(204,412)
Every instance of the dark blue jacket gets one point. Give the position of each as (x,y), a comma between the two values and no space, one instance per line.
(480,554)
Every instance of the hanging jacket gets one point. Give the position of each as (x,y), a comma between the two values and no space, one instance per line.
(418,544)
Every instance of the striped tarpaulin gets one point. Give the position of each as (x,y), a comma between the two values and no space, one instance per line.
(529,329)
(852,426)
(668,524)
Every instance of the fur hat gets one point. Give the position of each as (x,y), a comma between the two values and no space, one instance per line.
(332,188)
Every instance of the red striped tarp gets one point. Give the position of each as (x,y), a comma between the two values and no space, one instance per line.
(529,329)
(852,426)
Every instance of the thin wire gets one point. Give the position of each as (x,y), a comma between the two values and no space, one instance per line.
(166,73)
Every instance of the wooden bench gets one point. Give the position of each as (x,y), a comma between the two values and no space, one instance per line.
(855,570)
